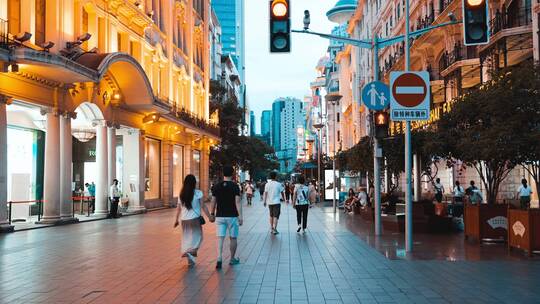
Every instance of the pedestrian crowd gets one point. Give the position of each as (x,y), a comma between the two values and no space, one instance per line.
(225,210)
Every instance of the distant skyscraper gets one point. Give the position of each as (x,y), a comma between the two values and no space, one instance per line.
(288,117)
(251,123)
(266,126)
(231,17)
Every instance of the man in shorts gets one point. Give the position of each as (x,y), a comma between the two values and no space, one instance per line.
(226,212)
(273,195)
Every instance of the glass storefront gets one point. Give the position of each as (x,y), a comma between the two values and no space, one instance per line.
(152,170)
(178,169)
(196,166)
(25,169)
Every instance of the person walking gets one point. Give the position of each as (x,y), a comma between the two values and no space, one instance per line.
(439,190)
(287,192)
(475,196)
(190,206)
(226,212)
(300,201)
(273,195)
(459,194)
(313,192)
(524,193)
(249,192)
(261,190)
(92,193)
(114,195)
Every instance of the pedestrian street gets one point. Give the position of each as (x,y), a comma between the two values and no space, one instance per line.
(136,259)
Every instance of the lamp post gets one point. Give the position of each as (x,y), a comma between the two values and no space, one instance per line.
(319,126)
(334,98)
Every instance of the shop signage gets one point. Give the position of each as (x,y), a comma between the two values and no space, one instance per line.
(498,222)
(518,228)
(410,96)
(91,153)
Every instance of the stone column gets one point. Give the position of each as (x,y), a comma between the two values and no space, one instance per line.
(167,173)
(111,155)
(134,170)
(66,174)
(102,188)
(51,184)
(4,220)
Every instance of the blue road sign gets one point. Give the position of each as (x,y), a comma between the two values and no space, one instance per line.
(376,96)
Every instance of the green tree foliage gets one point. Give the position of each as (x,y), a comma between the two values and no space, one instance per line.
(248,153)
(491,128)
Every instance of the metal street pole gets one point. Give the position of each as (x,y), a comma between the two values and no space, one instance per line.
(319,126)
(408,160)
(334,98)
(334,160)
(376,155)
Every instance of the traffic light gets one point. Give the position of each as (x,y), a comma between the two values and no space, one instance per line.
(475,22)
(280,26)
(381,124)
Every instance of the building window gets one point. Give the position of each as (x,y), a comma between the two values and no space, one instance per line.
(196,165)
(14,16)
(178,169)
(152,170)
(40,22)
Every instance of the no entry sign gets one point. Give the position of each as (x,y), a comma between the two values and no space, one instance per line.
(410,96)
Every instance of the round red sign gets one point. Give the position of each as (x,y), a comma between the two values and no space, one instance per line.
(409,90)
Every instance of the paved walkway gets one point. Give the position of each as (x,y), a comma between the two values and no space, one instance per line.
(136,260)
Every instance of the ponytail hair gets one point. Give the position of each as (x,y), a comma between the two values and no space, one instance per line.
(188,191)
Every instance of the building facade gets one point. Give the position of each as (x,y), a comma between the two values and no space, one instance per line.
(266,126)
(454,68)
(125,82)
(288,121)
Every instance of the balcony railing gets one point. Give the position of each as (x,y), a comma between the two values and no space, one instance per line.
(194,120)
(458,53)
(422,23)
(443,4)
(393,59)
(4,35)
(510,19)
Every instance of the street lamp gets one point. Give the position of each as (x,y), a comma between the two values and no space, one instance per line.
(334,98)
(319,126)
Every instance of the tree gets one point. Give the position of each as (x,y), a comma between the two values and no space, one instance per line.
(482,129)
(394,158)
(526,111)
(248,153)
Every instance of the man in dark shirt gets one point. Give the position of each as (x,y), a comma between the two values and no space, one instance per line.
(226,211)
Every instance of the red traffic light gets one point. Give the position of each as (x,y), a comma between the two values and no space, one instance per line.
(279,9)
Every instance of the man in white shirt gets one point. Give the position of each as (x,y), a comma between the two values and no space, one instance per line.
(114,194)
(362,197)
(273,195)
(524,193)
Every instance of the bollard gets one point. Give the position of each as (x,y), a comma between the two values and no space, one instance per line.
(10,206)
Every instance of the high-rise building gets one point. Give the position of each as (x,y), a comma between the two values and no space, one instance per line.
(288,119)
(231,16)
(252,123)
(266,126)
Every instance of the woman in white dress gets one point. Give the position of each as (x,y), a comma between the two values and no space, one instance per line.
(190,204)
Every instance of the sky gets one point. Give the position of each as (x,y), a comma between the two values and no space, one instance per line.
(269,76)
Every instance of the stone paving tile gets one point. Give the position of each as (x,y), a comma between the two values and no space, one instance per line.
(136,260)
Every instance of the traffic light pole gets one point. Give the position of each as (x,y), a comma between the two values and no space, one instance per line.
(375,45)
(377,152)
(408,154)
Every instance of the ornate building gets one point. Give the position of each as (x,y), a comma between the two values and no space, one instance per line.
(103,89)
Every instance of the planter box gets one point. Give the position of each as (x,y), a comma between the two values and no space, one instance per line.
(393,222)
(486,222)
(524,229)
